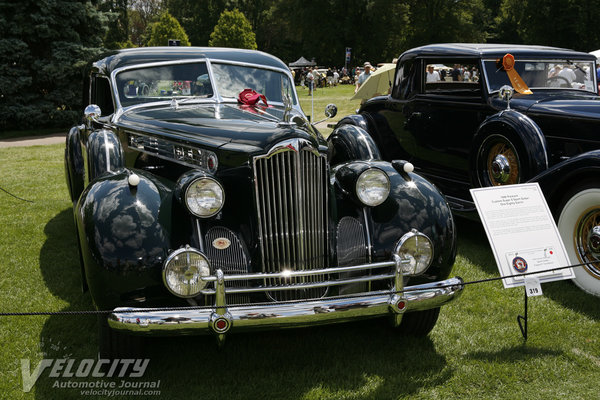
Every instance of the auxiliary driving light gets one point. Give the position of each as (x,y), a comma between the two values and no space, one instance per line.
(415,250)
(183,272)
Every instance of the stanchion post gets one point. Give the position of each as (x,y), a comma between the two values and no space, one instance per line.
(522,320)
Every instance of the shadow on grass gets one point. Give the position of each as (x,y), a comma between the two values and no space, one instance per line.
(514,354)
(474,246)
(366,359)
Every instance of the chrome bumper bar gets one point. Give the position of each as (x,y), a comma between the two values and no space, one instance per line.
(221,318)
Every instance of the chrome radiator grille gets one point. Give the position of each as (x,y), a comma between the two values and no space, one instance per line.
(291,198)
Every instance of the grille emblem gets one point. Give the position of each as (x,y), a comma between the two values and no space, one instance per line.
(221,243)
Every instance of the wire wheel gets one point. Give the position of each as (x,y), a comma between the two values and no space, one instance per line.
(587,240)
(579,226)
(499,162)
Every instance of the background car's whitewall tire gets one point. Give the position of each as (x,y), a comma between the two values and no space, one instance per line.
(579,215)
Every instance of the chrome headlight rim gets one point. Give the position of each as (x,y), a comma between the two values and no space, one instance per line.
(363,176)
(405,263)
(168,262)
(187,194)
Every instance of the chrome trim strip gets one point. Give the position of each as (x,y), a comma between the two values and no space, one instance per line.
(106,151)
(369,243)
(306,272)
(287,314)
(303,285)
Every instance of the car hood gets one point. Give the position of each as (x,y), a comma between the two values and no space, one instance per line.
(250,129)
(565,105)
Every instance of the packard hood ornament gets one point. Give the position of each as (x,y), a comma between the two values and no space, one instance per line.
(506,93)
(285,120)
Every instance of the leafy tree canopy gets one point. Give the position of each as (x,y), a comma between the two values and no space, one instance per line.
(233,30)
(167,27)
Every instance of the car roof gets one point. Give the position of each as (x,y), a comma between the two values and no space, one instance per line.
(494,50)
(142,55)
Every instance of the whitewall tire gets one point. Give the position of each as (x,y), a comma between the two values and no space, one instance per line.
(579,227)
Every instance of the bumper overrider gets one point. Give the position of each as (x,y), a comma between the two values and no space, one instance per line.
(221,318)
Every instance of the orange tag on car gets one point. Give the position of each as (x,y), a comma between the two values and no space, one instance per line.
(508,62)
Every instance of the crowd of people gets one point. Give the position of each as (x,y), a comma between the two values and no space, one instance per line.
(465,73)
(311,77)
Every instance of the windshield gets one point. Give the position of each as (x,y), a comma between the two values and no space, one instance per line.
(230,80)
(142,85)
(192,80)
(544,74)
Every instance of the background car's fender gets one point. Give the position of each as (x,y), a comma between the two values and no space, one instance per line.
(349,143)
(560,178)
(354,119)
(413,203)
(125,237)
(74,164)
(523,132)
(104,152)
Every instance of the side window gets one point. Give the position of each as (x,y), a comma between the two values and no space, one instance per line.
(406,84)
(452,77)
(101,94)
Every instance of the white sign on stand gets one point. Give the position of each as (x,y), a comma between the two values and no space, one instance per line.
(523,235)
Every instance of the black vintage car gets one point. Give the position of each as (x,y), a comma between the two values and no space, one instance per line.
(450,113)
(200,212)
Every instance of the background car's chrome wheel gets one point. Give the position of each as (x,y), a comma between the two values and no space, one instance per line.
(579,227)
(498,162)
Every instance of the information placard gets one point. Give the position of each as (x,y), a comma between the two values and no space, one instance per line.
(522,233)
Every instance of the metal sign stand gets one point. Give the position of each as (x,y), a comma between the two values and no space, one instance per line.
(522,320)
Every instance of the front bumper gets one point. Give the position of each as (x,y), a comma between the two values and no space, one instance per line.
(221,317)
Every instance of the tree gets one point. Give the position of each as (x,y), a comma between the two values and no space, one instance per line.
(43,50)
(233,30)
(141,14)
(118,31)
(167,27)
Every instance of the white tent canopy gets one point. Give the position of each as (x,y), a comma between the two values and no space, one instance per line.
(302,62)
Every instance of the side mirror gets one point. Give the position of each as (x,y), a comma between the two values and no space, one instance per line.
(91,114)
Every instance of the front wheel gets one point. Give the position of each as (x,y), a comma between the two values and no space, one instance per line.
(498,162)
(116,345)
(579,227)
(419,323)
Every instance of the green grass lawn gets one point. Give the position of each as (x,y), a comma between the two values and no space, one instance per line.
(339,95)
(475,351)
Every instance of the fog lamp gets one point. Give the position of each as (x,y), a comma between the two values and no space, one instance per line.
(183,272)
(373,187)
(415,250)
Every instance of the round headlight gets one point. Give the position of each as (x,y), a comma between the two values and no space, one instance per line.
(183,272)
(415,251)
(373,187)
(204,197)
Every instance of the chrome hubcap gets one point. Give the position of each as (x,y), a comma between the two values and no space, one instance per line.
(594,239)
(588,241)
(500,168)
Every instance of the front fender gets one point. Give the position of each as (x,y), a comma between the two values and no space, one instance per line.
(105,153)
(560,178)
(125,236)
(413,203)
(74,164)
(350,143)
(518,127)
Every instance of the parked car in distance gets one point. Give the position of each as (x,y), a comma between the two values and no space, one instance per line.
(201,212)
(460,134)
